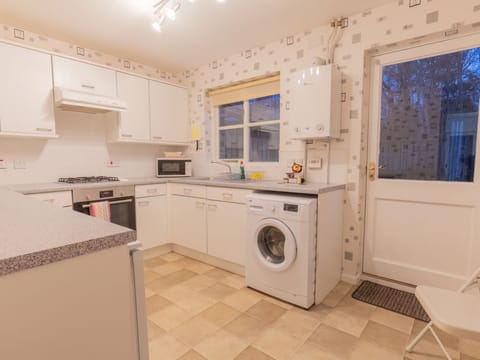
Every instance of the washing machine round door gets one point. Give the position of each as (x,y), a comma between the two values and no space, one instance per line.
(274,245)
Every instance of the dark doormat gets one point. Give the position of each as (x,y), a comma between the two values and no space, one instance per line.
(399,301)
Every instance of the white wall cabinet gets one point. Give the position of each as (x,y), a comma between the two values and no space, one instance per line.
(169,114)
(152,214)
(80,76)
(134,123)
(188,222)
(26,93)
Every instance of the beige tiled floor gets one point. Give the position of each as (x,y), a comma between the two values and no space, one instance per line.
(196,311)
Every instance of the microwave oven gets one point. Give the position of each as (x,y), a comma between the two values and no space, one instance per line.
(171,167)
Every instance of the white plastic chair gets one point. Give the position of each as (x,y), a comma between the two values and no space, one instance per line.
(456,313)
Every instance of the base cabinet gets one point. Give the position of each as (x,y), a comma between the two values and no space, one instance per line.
(227,231)
(152,221)
(189,222)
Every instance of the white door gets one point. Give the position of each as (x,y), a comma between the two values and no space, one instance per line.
(423,198)
(188,222)
(152,220)
(227,238)
(168,113)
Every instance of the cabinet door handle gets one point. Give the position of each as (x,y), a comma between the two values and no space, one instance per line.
(152,191)
(157,137)
(187,191)
(227,196)
(87,86)
(212,207)
(200,205)
(127,135)
(43,129)
(143,203)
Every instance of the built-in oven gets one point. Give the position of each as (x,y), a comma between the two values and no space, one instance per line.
(120,198)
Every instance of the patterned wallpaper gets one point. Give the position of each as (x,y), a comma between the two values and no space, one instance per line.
(27,38)
(395,23)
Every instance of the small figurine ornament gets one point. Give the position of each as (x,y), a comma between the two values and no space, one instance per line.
(297,168)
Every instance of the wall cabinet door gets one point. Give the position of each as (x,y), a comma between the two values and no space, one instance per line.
(188,222)
(26,92)
(169,113)
(227,231)
(152,221)
(79,76)
(134,123)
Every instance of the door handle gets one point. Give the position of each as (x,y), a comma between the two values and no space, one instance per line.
(372,169)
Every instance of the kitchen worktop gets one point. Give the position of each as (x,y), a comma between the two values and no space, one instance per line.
(33,233)
(257,185)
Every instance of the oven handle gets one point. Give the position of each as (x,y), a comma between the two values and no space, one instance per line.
(112,203)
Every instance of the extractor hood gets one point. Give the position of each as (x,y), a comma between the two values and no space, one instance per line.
(79,101)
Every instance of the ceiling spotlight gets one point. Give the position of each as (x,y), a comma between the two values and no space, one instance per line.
(172,12)
(220,0)
(156,26)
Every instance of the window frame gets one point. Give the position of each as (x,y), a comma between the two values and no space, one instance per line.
(246,134)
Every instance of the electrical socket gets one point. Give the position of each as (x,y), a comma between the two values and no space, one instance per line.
(112,164)
(20,164)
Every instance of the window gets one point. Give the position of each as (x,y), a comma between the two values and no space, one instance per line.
(248,121)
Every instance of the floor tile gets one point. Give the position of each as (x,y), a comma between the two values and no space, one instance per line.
(151,263)
(470,348)
(217,274)
(393,320)
(192,355)
(246,327)
(337,294)
(221,346)
(309,351)
(199,282)
(150,275)
(166,347)
(242,300)
(199,268)
(384,336)
(266,311)
(333,342)
(170,317)
(170,257)
(194,331)
(156,303)
(346,322)
(153,331)
(167,268)
(448,340)
(251,353)
(218,291)
(277,344)
(235,281)
(297,324)
(170,280)
(220,314)
(365,350)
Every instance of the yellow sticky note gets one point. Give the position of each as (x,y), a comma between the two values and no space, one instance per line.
(195,132)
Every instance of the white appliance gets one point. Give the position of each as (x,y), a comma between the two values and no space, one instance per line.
(173,167)
(74,100)
(315,105)
(281,246)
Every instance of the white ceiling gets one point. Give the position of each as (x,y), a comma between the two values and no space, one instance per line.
(204,30)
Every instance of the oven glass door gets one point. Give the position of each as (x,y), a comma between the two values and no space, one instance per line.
(122,211)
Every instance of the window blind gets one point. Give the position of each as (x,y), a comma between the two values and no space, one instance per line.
(266,86)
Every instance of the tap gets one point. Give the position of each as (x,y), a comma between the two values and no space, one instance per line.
(230,173)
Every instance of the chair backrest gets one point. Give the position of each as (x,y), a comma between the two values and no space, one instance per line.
(475,278)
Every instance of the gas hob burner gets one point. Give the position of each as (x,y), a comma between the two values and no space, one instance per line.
(88,179)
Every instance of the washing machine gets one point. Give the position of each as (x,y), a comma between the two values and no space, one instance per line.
(281,246)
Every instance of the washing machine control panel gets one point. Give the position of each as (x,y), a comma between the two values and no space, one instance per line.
(290,208)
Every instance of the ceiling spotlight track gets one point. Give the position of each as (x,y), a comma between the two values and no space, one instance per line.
(167,9)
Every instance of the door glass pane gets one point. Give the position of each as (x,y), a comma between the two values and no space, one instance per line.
(429,116)
(264,143)
(231,114)
(231,144)
(265,108)
(271,243)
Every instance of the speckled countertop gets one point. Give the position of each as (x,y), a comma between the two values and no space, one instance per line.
(34,234)
(263,185)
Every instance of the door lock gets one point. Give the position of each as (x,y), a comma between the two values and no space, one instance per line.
(372,169)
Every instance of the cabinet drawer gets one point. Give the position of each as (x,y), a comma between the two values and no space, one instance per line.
(150,190)
(227,194)
(189,190)
(57,199)
(75,75)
